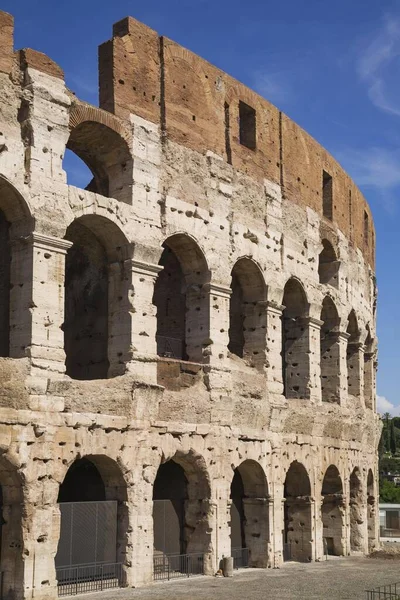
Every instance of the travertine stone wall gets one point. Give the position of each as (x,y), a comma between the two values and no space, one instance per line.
(283,397)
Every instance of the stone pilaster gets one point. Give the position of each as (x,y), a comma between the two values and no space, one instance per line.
(314,353)
(274,349)
(218,300)
(355,369)
(139,284)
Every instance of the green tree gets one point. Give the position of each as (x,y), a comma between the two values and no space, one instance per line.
(389,492)
(393,445)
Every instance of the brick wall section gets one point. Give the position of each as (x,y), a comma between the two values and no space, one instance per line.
(6,42)
(159,80)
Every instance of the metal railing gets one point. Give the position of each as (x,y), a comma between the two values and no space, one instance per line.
(385,592)
(174,566)
(387,532)
(240,558)
(170,347)
(80,579)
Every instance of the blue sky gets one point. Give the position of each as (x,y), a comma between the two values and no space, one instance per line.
(332,67)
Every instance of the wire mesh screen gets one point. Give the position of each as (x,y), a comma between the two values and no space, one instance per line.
(168,526)
(88,533)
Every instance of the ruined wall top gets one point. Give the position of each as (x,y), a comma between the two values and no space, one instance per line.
(198,106)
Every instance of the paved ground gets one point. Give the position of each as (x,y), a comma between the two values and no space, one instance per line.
(337,579)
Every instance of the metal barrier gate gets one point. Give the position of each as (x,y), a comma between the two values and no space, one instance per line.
(385,592)
(86,558)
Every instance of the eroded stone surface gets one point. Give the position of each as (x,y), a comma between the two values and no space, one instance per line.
(252,354)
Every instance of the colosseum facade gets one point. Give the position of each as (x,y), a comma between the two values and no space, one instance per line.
(188,346)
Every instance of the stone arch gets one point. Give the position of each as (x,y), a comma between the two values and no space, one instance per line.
(249,515)
(181,296)
(297,514)
(295,341)
(357,512)
(247,315)
(15,221)
(333,512)
(103,143)
(330,352)
(371,511)
(97,321)
(353,356)
(181,508)
(328,265)
(11,533)
(93,503)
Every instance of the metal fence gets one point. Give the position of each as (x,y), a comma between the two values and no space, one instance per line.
(170,347)
(385,592)
(240,558)
(80,579)
(174,566)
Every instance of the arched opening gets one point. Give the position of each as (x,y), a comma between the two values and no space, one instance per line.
(94,524)
(106,154)
(96,318)
(295,342)
(357,516)
(15,223)
(333,511)
(247,316)
(371,511)
(328,265)
(77,171)
(249,516)
(353,356)
(11,537)
(369,371)
(330,352)
(5,282)
(169,497)
(297,514)
(181,510)
(182,300)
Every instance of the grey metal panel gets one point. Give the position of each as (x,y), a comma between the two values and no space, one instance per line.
(88,533)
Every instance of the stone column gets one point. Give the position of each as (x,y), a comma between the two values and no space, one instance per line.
(37,310)
(314,350)
(138,290)
(218,301)
(343,338)
(274,349)
(221,527)
(369,380)
(277,526)
(355,369)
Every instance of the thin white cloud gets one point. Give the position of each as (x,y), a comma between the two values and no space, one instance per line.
(383,405)
(377,66)
(272,86)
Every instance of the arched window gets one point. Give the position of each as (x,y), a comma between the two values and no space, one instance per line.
(5,281)
(353,356)
(181,298)
(98,139)
(96,306)
(297,514)
(333,512)
(328,265)
(330,352)
(15,223)
(181,513)
(94,522)
(249,516)
(247,316)
(295,341)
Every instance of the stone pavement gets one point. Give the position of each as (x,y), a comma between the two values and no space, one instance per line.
(336,579)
